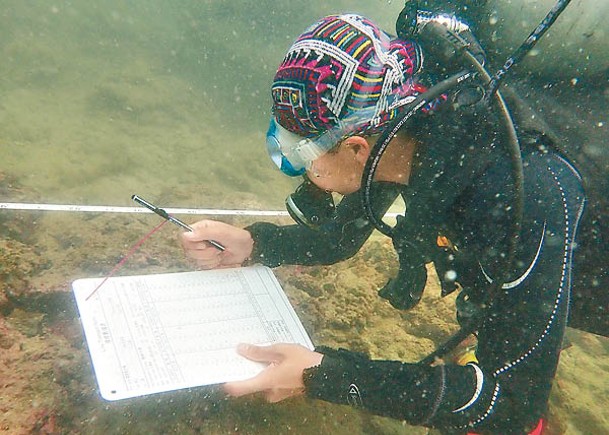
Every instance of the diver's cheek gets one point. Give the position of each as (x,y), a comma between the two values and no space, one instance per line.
(321,179)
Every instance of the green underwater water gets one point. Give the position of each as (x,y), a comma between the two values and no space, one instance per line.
(169,100)
(99,100)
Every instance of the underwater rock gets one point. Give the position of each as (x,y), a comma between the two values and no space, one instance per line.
(17,263)
(7,335)
(27,323)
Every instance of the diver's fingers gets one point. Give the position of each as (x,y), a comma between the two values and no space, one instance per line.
(196,247)
(258,383)
(269,354)
(202,252)
(282,378)
(264,380)
(207,257)
(192,239)
(238,244)
(212,230)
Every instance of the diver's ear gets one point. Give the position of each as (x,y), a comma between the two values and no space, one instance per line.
(359,146)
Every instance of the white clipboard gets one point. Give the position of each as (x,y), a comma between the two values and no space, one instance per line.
(153,333)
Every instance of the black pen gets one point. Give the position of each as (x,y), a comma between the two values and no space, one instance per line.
(172,219)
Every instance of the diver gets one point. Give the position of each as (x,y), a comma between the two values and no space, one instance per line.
(341,83)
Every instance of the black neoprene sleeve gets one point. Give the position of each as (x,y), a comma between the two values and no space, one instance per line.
(335,241)
(404,391)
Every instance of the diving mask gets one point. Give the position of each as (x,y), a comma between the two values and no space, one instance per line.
(294,154)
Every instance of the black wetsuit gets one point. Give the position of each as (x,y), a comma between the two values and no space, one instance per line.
(451,193)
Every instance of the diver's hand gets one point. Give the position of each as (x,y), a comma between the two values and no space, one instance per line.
(237,241)
(405,290)
(283,376)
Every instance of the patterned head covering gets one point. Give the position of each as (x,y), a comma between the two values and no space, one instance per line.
(344,72)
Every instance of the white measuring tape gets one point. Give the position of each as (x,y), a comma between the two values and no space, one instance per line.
(115,209)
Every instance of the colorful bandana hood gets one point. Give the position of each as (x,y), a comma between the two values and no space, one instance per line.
(344,72)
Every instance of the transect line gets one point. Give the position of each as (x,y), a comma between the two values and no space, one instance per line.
(116,209)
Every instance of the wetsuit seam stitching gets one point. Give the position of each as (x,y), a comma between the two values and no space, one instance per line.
(559,296)
(439,398)
(490,408)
